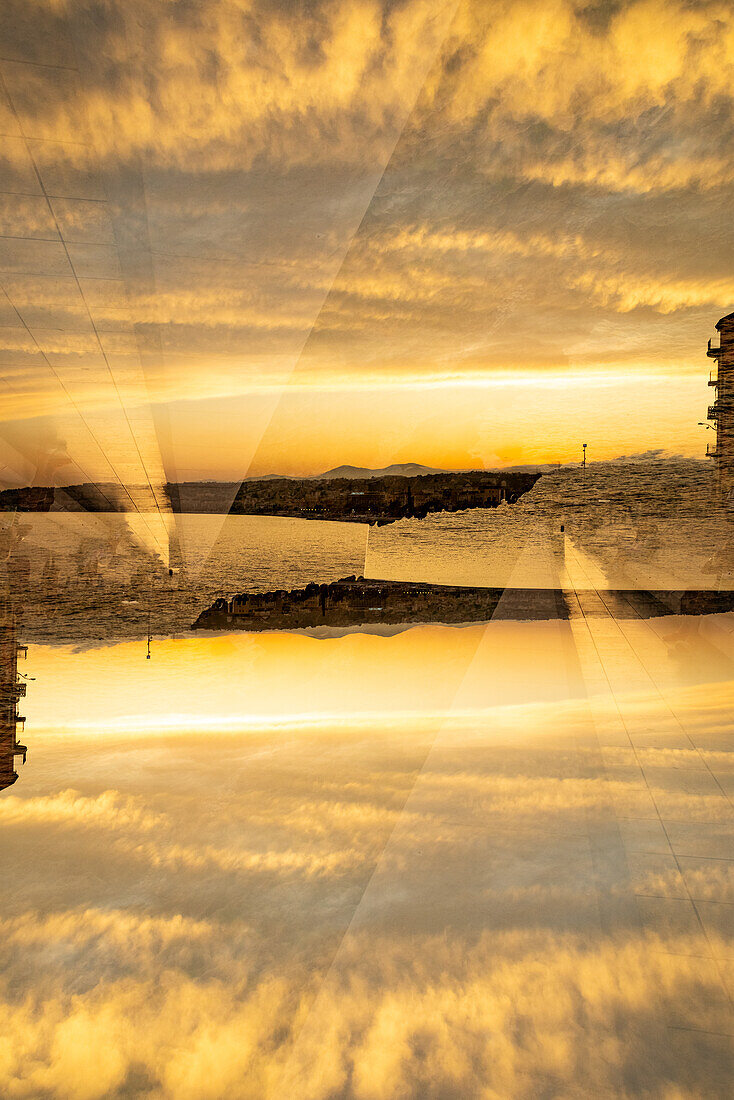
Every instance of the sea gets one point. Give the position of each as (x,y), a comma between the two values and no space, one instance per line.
(92,578)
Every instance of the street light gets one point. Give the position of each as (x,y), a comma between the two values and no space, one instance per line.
(584,462)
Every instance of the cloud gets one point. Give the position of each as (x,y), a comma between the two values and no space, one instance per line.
(628,291)
(652,65)
(553,161)
(283,862)
(594,166)
(109,810)
(198,949)
(329,83)
(494,1015)
(250,80)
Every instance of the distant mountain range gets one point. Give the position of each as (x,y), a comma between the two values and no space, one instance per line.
(398,469)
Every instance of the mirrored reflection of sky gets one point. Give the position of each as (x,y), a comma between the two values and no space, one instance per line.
(368,867)
(258,238)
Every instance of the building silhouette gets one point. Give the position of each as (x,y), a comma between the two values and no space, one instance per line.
(722,411)
(12,689)
(14,572)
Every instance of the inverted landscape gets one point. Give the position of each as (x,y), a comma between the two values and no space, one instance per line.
(366,550)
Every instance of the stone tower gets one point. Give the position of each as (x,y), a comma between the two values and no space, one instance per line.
(722,411)
(11,690)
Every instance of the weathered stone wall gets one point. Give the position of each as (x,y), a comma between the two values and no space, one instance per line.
(355,602)
(379,499)
(361,500)
(358,602)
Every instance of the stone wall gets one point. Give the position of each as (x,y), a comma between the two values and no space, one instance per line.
(355,602)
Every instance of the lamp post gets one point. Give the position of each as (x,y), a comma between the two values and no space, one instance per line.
(709,453)
(584,461)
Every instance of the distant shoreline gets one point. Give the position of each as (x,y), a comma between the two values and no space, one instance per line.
(364,602)
(377,500)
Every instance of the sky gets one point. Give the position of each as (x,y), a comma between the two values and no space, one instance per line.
(250,237)
(386,882)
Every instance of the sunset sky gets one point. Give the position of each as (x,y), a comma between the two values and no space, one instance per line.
(370,867)
(267,835)
(262,237)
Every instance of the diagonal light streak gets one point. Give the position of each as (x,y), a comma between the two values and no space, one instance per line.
(156,493)
(420,85)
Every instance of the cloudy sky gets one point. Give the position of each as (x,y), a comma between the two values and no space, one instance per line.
(416,877)
(248,236)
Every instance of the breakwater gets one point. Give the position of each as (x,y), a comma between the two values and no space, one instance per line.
(377,500)
(380,500)
(355,601)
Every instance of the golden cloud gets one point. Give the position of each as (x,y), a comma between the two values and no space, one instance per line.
(109,810)
(336,83)
(246,80)
(189,1002)
(501,1014)
(547,61)
(628,290)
